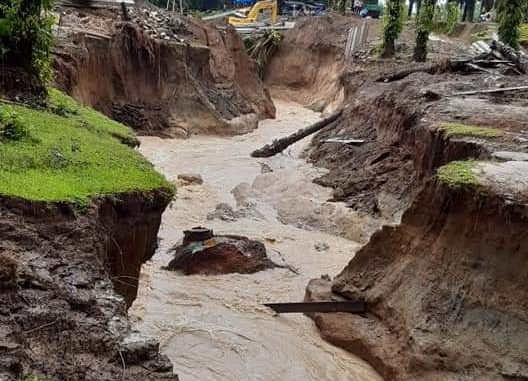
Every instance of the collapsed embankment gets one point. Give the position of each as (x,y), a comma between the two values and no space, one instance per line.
(446,290)
(310,61)
(61,318)
(79,213)
(200,81)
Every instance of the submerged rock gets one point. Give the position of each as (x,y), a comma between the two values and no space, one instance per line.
(222,254)
(191,178)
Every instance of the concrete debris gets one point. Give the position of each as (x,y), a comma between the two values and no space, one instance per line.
(158,24)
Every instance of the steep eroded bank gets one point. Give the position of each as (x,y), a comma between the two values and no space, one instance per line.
(198,82)
(61,318)
(446,290)
(79,213)
(310,61)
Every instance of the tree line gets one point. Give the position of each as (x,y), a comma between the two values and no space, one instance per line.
(509,16)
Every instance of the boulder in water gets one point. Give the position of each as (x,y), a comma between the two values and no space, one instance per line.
(221,254)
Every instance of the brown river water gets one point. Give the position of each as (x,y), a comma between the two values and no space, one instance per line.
(214,328)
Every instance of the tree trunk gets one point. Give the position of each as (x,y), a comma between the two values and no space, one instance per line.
(280,145)
(411,5)
(392,27)
(510,14)
(464,15)
(470,5)
(487,5)
(423,28)
(418,6)
(341,6)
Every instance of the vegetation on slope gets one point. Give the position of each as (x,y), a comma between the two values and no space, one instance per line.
(455,129)
(26,37)
(67,152)
(458,174)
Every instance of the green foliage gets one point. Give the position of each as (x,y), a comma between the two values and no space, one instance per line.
(26,36)
(393,19)
(510,14)
(452,17)
(73,158)
(523,33)
(482,35)
(11,125)
(454,129)
(458,174)
(261,49)
(424,25)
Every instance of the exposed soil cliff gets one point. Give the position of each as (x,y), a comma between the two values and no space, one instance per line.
(201,82)
(446,290)
(310,61)
(401,125)
(60,317)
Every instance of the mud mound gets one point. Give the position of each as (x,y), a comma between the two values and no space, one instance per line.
(200,81)
(60,317)
(310,60)
(447,289)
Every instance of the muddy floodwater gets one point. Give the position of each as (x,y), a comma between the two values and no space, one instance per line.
(215,327)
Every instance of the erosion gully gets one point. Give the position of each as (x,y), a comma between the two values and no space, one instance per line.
(215,327)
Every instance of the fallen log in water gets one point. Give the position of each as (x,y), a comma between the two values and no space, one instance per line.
(280,145)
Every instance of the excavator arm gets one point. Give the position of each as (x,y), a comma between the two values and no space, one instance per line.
(254,14)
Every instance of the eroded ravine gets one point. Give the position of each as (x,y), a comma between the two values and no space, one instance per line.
(215,327)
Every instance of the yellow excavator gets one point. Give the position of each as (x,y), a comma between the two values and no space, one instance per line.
(261,12)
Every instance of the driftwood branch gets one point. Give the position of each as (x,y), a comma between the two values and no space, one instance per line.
(280,145)
(396,76)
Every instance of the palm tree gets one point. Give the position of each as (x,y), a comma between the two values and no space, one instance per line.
(424,23)
(510,14)
(391,27)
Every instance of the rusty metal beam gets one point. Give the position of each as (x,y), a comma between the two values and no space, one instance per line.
(350,306)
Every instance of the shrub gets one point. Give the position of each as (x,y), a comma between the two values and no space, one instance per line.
(11,125)
(452,16)
(510,14)
(26,36)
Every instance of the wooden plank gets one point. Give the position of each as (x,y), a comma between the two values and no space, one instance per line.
(350,306)
(346,141)
(490,91)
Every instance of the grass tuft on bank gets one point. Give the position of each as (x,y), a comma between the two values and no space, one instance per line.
(455,129)
(68,152)
(458,174)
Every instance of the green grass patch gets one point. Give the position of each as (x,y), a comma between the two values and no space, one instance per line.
(523,33)
(454,129)
(72,153)
(458,174)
